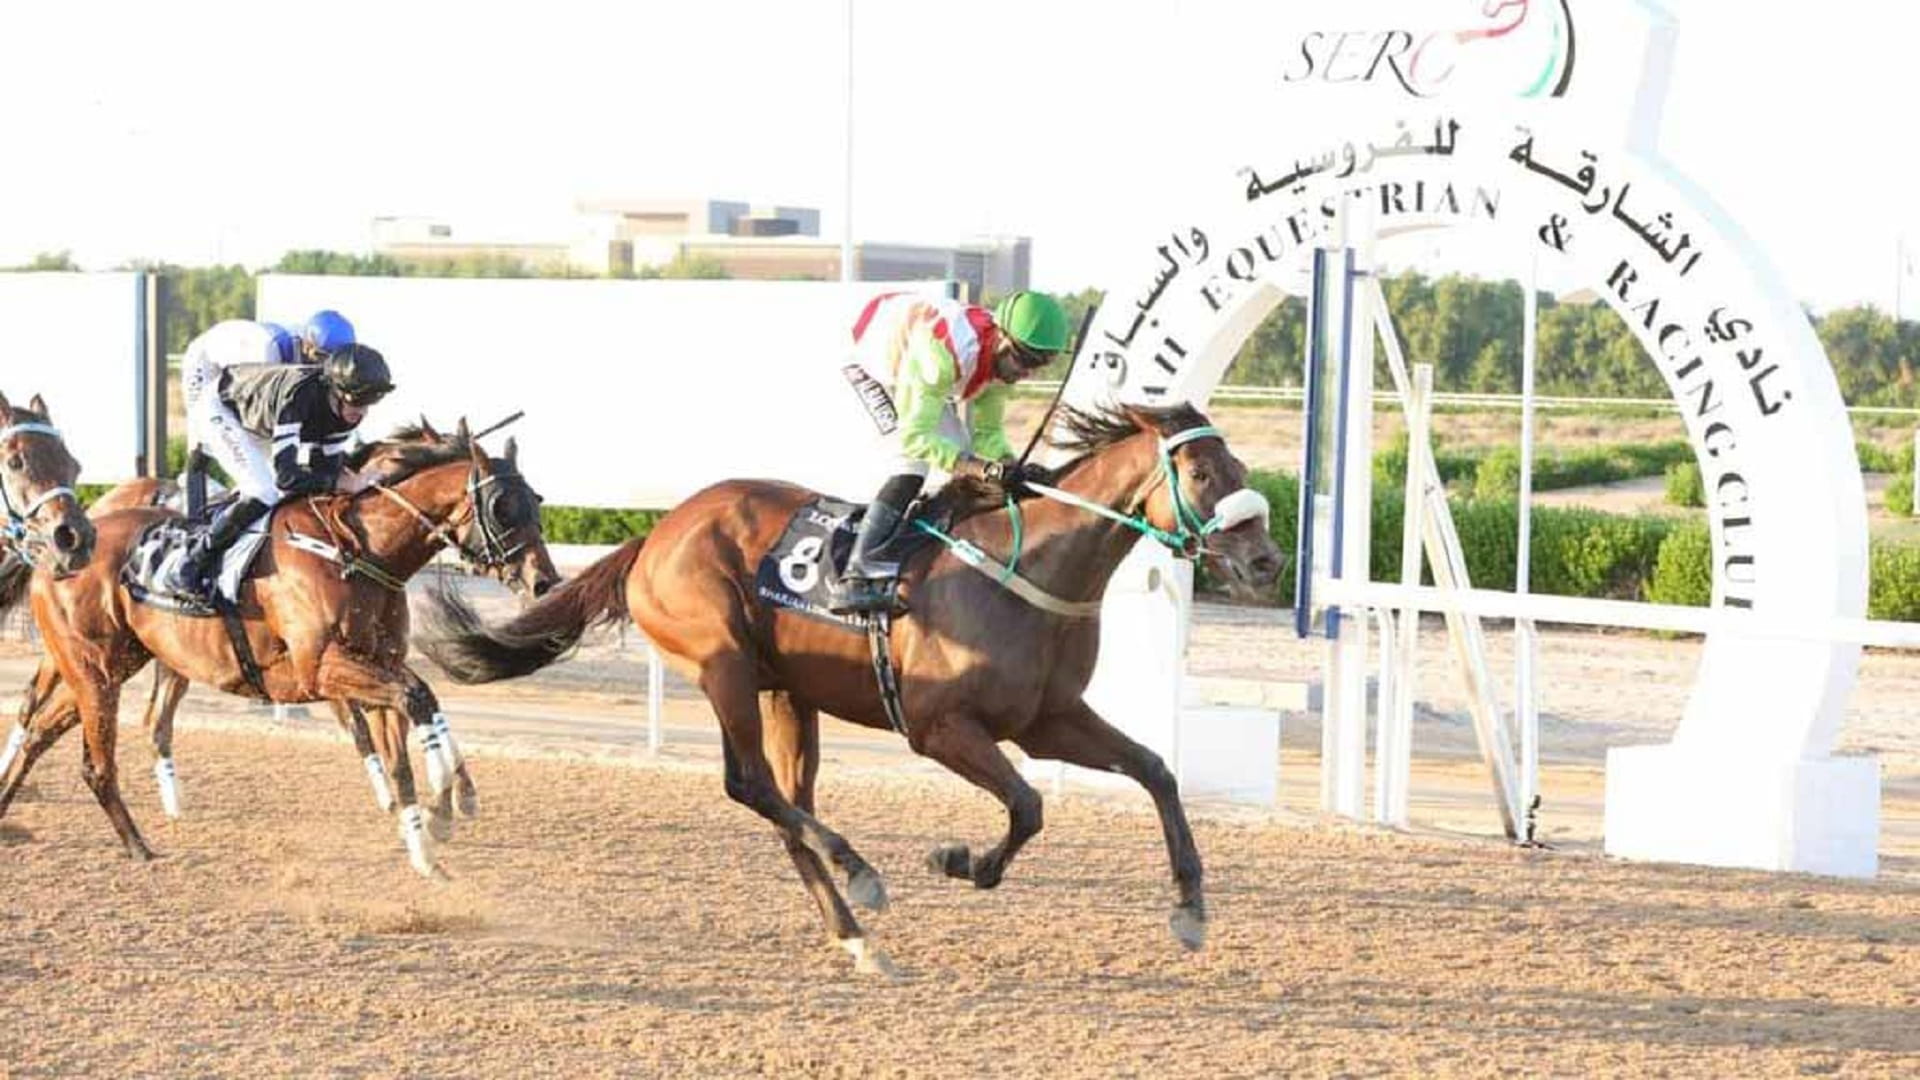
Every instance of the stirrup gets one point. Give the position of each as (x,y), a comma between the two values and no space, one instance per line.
(865,596)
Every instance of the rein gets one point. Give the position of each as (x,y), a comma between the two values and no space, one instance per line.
(440,534)
(1187,540)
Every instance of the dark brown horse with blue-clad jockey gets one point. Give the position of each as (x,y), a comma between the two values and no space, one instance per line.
(379,735)
(307,630)
(982,657)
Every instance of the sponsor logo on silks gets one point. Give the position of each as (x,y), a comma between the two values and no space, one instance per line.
(878,403)
(1509,48)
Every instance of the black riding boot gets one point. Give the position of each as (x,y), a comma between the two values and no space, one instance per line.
(202,561)
(867,584)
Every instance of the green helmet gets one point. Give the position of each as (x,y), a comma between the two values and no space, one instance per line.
(1034,320)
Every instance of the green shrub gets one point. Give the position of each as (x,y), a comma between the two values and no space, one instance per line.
(1390,466)
(1590,553)
(1283,496)
(1893,589)
(1683,574)
(1684,487)
(1900,493)
(1498,476)
(595,524)
(1877,458)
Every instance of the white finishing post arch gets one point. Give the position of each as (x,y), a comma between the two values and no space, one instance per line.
(1761,406)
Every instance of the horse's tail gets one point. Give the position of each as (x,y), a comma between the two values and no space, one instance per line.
(470,651)
(15,573)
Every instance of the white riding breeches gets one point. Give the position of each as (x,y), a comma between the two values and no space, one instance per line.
(247,457)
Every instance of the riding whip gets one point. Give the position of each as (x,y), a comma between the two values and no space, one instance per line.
(1073,356)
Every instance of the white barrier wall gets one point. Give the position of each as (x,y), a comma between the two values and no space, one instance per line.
(637,393)
(1140,687)
(76,340)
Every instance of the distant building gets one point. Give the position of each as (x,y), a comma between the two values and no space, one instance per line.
(626,236)
(419,239)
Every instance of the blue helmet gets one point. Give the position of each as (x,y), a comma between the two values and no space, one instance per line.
(327,332)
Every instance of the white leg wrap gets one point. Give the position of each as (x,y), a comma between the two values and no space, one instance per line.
(413,830)
(163,774)
(14,742)
(447,746)
(439,774)
(377,773)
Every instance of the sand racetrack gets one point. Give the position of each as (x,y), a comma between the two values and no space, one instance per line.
(608,919)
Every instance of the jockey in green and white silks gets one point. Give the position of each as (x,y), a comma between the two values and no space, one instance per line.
(918,364)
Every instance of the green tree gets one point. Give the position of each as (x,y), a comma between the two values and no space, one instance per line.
(687,266)
(49,260)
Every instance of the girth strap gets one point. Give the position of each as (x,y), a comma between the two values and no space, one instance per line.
(242,648)
(880,641)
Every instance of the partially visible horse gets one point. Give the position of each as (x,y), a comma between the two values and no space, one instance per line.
(978,663)
(313,632)
(377,744)
(44,522)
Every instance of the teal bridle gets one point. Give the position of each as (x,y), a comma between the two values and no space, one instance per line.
(1188,537)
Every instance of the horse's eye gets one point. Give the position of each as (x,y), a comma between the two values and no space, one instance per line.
(16,462)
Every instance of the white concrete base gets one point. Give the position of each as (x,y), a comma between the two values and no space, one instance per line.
(1816,816)
(1229,752)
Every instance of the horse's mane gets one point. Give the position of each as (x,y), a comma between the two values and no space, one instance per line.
(1085,432)
(1090,431)
(417,450)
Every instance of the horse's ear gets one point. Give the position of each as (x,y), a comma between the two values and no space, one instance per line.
(513,451)
(429,432)
(40,407)
(6,409)
(461,433)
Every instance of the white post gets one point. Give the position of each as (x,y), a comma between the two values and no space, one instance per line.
(1916,471)
(1396,757)
(656,691)
(1386,709)
(1350,321)
(846,195)
(1464,634)
(1526,641)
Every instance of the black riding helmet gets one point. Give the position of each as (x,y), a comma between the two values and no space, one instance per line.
(358,373)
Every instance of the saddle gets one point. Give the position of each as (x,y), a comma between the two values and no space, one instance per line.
(160,547)
(798,572)
(196,497)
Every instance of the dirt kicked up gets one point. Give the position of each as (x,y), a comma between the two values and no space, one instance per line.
(629,920)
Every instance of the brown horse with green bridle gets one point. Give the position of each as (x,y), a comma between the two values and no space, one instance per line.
(984,656)
(313,633)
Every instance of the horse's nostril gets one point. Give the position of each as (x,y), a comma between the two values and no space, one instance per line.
(65,538)
(542,587)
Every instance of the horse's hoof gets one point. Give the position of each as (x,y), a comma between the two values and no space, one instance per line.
(139,853)
(467,800)
(1189,925)
(953,860)
(440,826)
(868,959)
(865,888)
